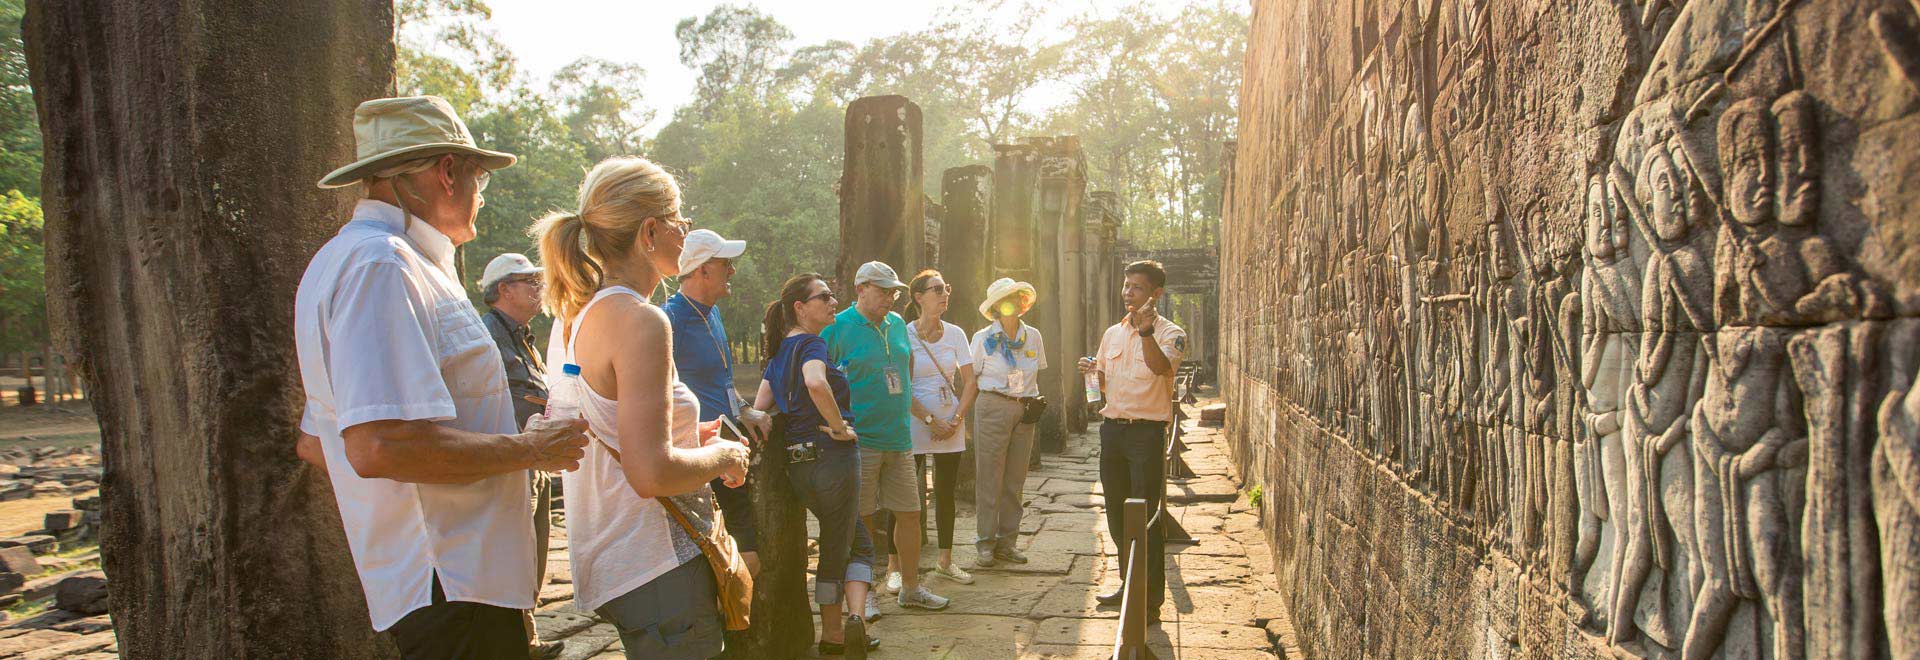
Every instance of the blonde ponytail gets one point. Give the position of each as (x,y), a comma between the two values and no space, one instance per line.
(616,198)
(571,275)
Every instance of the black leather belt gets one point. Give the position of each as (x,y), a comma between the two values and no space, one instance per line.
(1003,395)
(1127,422)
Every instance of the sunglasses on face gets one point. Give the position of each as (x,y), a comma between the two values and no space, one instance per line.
(823,295)
(944,288)
(678,223)
(480,180)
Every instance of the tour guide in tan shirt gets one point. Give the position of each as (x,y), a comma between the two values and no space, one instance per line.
(1136,364)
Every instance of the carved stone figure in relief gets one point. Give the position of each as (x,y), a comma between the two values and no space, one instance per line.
(1668,378)
(1896,496)
(1749,435)
(1500,304)
(1609,290)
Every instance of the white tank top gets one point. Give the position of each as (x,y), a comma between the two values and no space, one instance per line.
(618,541)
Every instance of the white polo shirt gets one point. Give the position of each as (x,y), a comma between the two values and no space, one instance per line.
(385,332)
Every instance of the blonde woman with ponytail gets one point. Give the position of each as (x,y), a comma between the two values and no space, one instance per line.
(632,564)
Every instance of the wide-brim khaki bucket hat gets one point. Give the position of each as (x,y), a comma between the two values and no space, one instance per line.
(1003,288)
(388,131)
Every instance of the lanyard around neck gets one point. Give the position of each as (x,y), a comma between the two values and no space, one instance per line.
(726,360)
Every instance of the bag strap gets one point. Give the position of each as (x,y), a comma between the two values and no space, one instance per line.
(706,544)
(944,378)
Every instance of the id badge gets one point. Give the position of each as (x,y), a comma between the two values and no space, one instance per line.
(733,403)
(1017,380)
(893,381)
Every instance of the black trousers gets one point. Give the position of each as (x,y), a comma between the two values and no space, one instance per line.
(459,630)
(1133,464)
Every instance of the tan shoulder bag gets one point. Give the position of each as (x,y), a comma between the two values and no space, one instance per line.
(731,580)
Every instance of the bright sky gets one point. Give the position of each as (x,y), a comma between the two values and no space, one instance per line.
(548,34)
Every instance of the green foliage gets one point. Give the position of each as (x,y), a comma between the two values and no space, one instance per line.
(758,148)
(1253,496)
(19,126)
(23,293)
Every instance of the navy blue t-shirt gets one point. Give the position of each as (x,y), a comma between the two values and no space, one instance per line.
(790,387)
(698,353)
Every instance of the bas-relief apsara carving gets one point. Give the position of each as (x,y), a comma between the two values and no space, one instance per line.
(1700,422)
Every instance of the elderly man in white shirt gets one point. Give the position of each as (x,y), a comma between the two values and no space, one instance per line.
(407,408)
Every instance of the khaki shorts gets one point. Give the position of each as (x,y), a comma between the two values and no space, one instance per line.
(888,481)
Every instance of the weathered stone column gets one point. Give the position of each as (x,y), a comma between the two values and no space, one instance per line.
(931,214)
(880,190)
(1101,227)
(1060,189)
(182,144)
(966,194)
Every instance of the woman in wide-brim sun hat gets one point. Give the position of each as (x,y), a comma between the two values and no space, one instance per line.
(1007,357)
(1020,297)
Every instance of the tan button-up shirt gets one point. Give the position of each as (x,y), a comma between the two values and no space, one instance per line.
(1132,390)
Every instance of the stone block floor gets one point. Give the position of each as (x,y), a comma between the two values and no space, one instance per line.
(1222,600)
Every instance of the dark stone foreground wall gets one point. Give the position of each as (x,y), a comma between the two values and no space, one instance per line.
(1582,329)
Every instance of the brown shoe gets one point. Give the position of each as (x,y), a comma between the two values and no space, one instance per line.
(546,650)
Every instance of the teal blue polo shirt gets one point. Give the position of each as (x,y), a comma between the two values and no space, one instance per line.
(881,417)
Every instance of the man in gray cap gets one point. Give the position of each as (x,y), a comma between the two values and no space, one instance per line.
(871,342)
(408,410)
(511,286)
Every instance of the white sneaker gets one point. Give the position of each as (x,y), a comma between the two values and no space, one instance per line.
(955,573)
(921,598)
(873,607)
(893,582)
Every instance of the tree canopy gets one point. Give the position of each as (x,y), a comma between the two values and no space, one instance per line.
(757,148)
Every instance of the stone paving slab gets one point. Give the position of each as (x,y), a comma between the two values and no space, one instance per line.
(1220,604)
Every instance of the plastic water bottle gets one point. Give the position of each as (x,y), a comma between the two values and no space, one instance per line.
(1093,385)
(563,400)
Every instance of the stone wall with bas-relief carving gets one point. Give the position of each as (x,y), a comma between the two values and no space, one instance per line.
(1582,329)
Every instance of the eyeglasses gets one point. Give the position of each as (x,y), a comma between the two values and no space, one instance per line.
(944,288)
(678,223)
(534,282)
(481,180)
(823,295)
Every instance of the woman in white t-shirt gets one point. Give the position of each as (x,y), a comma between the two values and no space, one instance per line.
(943,394)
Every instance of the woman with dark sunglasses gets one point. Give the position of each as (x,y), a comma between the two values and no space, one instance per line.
(822,452)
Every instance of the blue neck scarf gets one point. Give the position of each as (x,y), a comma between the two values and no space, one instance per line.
(998,342)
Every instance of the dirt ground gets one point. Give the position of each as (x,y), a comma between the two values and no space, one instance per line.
(66,425)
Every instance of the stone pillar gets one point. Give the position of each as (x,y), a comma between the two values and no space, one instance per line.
(182,143)
(1013,240)
(880,191)
(929,235)
(1060,190)
(966,194)
(1101,224)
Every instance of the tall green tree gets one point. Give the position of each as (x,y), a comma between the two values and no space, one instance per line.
(19,126)
(23,292)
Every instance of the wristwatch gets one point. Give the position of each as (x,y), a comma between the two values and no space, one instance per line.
(928,419)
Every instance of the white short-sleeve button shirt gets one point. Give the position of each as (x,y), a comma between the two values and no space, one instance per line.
(385,332)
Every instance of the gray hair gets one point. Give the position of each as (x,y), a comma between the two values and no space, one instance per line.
(491,294)
(397,171)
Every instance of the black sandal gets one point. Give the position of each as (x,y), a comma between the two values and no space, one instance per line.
(856,628)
